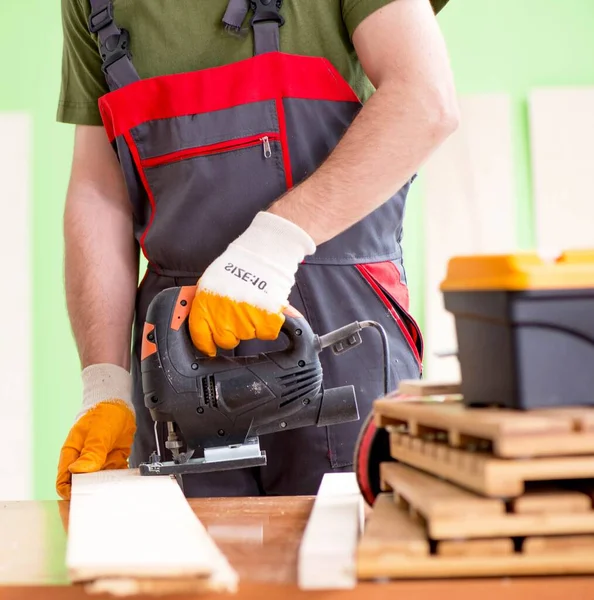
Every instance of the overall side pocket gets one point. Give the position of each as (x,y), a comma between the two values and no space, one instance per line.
(334,296)
(384,279)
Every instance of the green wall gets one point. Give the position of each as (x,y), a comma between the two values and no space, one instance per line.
(30,46)
(508,46)
(495,46)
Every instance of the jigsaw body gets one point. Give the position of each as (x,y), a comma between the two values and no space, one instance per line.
(215,408)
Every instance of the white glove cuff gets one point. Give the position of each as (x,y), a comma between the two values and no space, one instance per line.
(277,239)
(105,383)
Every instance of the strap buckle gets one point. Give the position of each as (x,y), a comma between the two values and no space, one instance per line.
(105,16)
(267,10)
(114,48)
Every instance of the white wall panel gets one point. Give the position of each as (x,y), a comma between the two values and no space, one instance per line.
(562,141)
(15,307)
(469,209)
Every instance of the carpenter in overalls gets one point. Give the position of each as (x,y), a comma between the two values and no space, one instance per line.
(220,162)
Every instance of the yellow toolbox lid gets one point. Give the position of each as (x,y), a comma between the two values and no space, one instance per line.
(573,269)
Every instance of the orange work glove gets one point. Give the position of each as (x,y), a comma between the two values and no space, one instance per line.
(243,293)
(102,435)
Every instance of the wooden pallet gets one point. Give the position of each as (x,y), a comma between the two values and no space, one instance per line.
(480,492)
(395,545)
(505,433)
(450,512)
(482,472)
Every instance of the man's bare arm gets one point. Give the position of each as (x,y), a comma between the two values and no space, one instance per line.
(101,257)
(412,112)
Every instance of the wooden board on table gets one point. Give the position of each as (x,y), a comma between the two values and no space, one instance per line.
(473,558)
(484,473)
(327,551)
(146,586)
(126,531)
(469,208)
(562,153)
(435,500)
(547,432)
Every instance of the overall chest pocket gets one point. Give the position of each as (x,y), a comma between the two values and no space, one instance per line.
(207,176)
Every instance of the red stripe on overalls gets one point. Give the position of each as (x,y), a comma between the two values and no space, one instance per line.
(366,272)
(268,76)
(149,192)
(282,126)
(362,463)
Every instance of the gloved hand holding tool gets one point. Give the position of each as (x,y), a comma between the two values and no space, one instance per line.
(243,293)
(241,296)
(102,435)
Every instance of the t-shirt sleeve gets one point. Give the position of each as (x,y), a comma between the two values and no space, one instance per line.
(83,81)
(355,11)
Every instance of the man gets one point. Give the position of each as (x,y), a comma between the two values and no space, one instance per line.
(263,151)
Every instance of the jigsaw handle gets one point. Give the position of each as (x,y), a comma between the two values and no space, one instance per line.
(302,340)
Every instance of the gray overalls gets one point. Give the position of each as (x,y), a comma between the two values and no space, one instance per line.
(202,153)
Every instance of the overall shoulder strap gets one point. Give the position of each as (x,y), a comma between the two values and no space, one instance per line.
(114,45)
(266,22)
(235,15)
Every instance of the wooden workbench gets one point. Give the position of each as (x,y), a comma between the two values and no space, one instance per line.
(260,536)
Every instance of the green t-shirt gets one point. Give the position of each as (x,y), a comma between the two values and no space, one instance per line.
(176,36)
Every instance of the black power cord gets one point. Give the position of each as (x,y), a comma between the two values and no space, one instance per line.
(385,349)
(348,337)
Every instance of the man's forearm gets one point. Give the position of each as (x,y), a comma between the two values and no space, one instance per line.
(101,276)
(386,144)
(412,112)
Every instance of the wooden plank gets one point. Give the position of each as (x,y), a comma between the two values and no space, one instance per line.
(126,586)
(123,526)
(434,498)
(395,530)
(421,387)
(543,502)
(477,517)
(16,376)
(553,444)
(328,548)
(476,472)
(470,208)
(484,473)
(549,545)
(582,417)
(394,565)
(481,422)
(562,151)
(492,547)
(511,433)
(512,525)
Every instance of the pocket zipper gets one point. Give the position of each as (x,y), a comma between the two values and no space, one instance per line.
(219,148)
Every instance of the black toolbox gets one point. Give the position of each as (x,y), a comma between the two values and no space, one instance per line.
(525,328)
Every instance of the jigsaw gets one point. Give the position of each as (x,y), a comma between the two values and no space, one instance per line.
(215,409)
